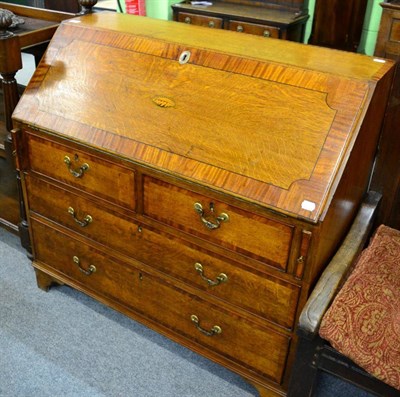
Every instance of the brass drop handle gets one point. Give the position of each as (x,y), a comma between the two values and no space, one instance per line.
(188,20)
(222,278)
(215,221)
(216,329)
(267,33)
(77,173)
(211,24)
(86,220)
(240,28)
(89,271)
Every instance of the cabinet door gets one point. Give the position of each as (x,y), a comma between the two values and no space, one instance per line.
(338,23)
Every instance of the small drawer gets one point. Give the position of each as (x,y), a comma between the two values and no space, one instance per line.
(253,28)
(240,231)
(216,332)
(266,296)
(95,175)
(200,20)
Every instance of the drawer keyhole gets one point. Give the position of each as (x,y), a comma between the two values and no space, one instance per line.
(184,57)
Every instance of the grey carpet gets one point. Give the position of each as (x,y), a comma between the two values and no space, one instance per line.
(65,344)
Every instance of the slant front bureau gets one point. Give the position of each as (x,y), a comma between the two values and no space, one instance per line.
(198,181)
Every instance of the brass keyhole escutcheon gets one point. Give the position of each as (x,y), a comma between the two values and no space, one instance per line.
(184,57)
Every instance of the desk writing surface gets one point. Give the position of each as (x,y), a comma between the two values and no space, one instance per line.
(275,134)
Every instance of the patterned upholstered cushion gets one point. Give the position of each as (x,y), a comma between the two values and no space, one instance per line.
(363,322)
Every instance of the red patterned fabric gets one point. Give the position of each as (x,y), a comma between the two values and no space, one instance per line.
(363,322)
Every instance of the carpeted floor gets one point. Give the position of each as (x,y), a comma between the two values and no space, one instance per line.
(65,344)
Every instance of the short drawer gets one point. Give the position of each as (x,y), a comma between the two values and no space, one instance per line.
(241,231)
(201,20)
(261,294)
(253,28)
(95,175)
(245,343)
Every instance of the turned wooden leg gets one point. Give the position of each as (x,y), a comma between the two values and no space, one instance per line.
(10,63)
(44,281)
(11,96)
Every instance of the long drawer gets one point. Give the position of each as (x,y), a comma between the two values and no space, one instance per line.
(222,333)
(95,175)
(261,294)
(240,231)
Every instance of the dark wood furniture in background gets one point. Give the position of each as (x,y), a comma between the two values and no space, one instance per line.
(72,6)
(278,19)
(338,23)
(196,180)
(31,37)
(386,178)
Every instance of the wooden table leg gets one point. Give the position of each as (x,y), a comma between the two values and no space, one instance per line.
(10,63)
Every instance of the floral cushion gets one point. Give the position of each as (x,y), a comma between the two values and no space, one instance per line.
(363,322)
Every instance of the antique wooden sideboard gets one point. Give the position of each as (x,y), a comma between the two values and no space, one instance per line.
(196,180)
(275,18)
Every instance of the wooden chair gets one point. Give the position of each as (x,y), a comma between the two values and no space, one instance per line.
(315,355)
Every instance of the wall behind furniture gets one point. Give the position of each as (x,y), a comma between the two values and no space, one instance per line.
(371,27)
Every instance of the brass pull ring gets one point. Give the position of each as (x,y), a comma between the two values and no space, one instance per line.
(215,221)
(222,278)
(211,24)
(216,329)
(77,173)
(89,271)
(86,220)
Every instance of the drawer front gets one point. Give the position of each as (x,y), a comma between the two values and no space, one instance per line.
(253,28)
(246,343)
(201,20)
(96,176)
(265,296)
(240,231)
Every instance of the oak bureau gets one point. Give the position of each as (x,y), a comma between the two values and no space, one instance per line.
(197,181)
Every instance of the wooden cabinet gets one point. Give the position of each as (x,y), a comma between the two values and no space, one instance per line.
(388,41)
(280,20)
(338,23)
(196,181)
(386,178)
